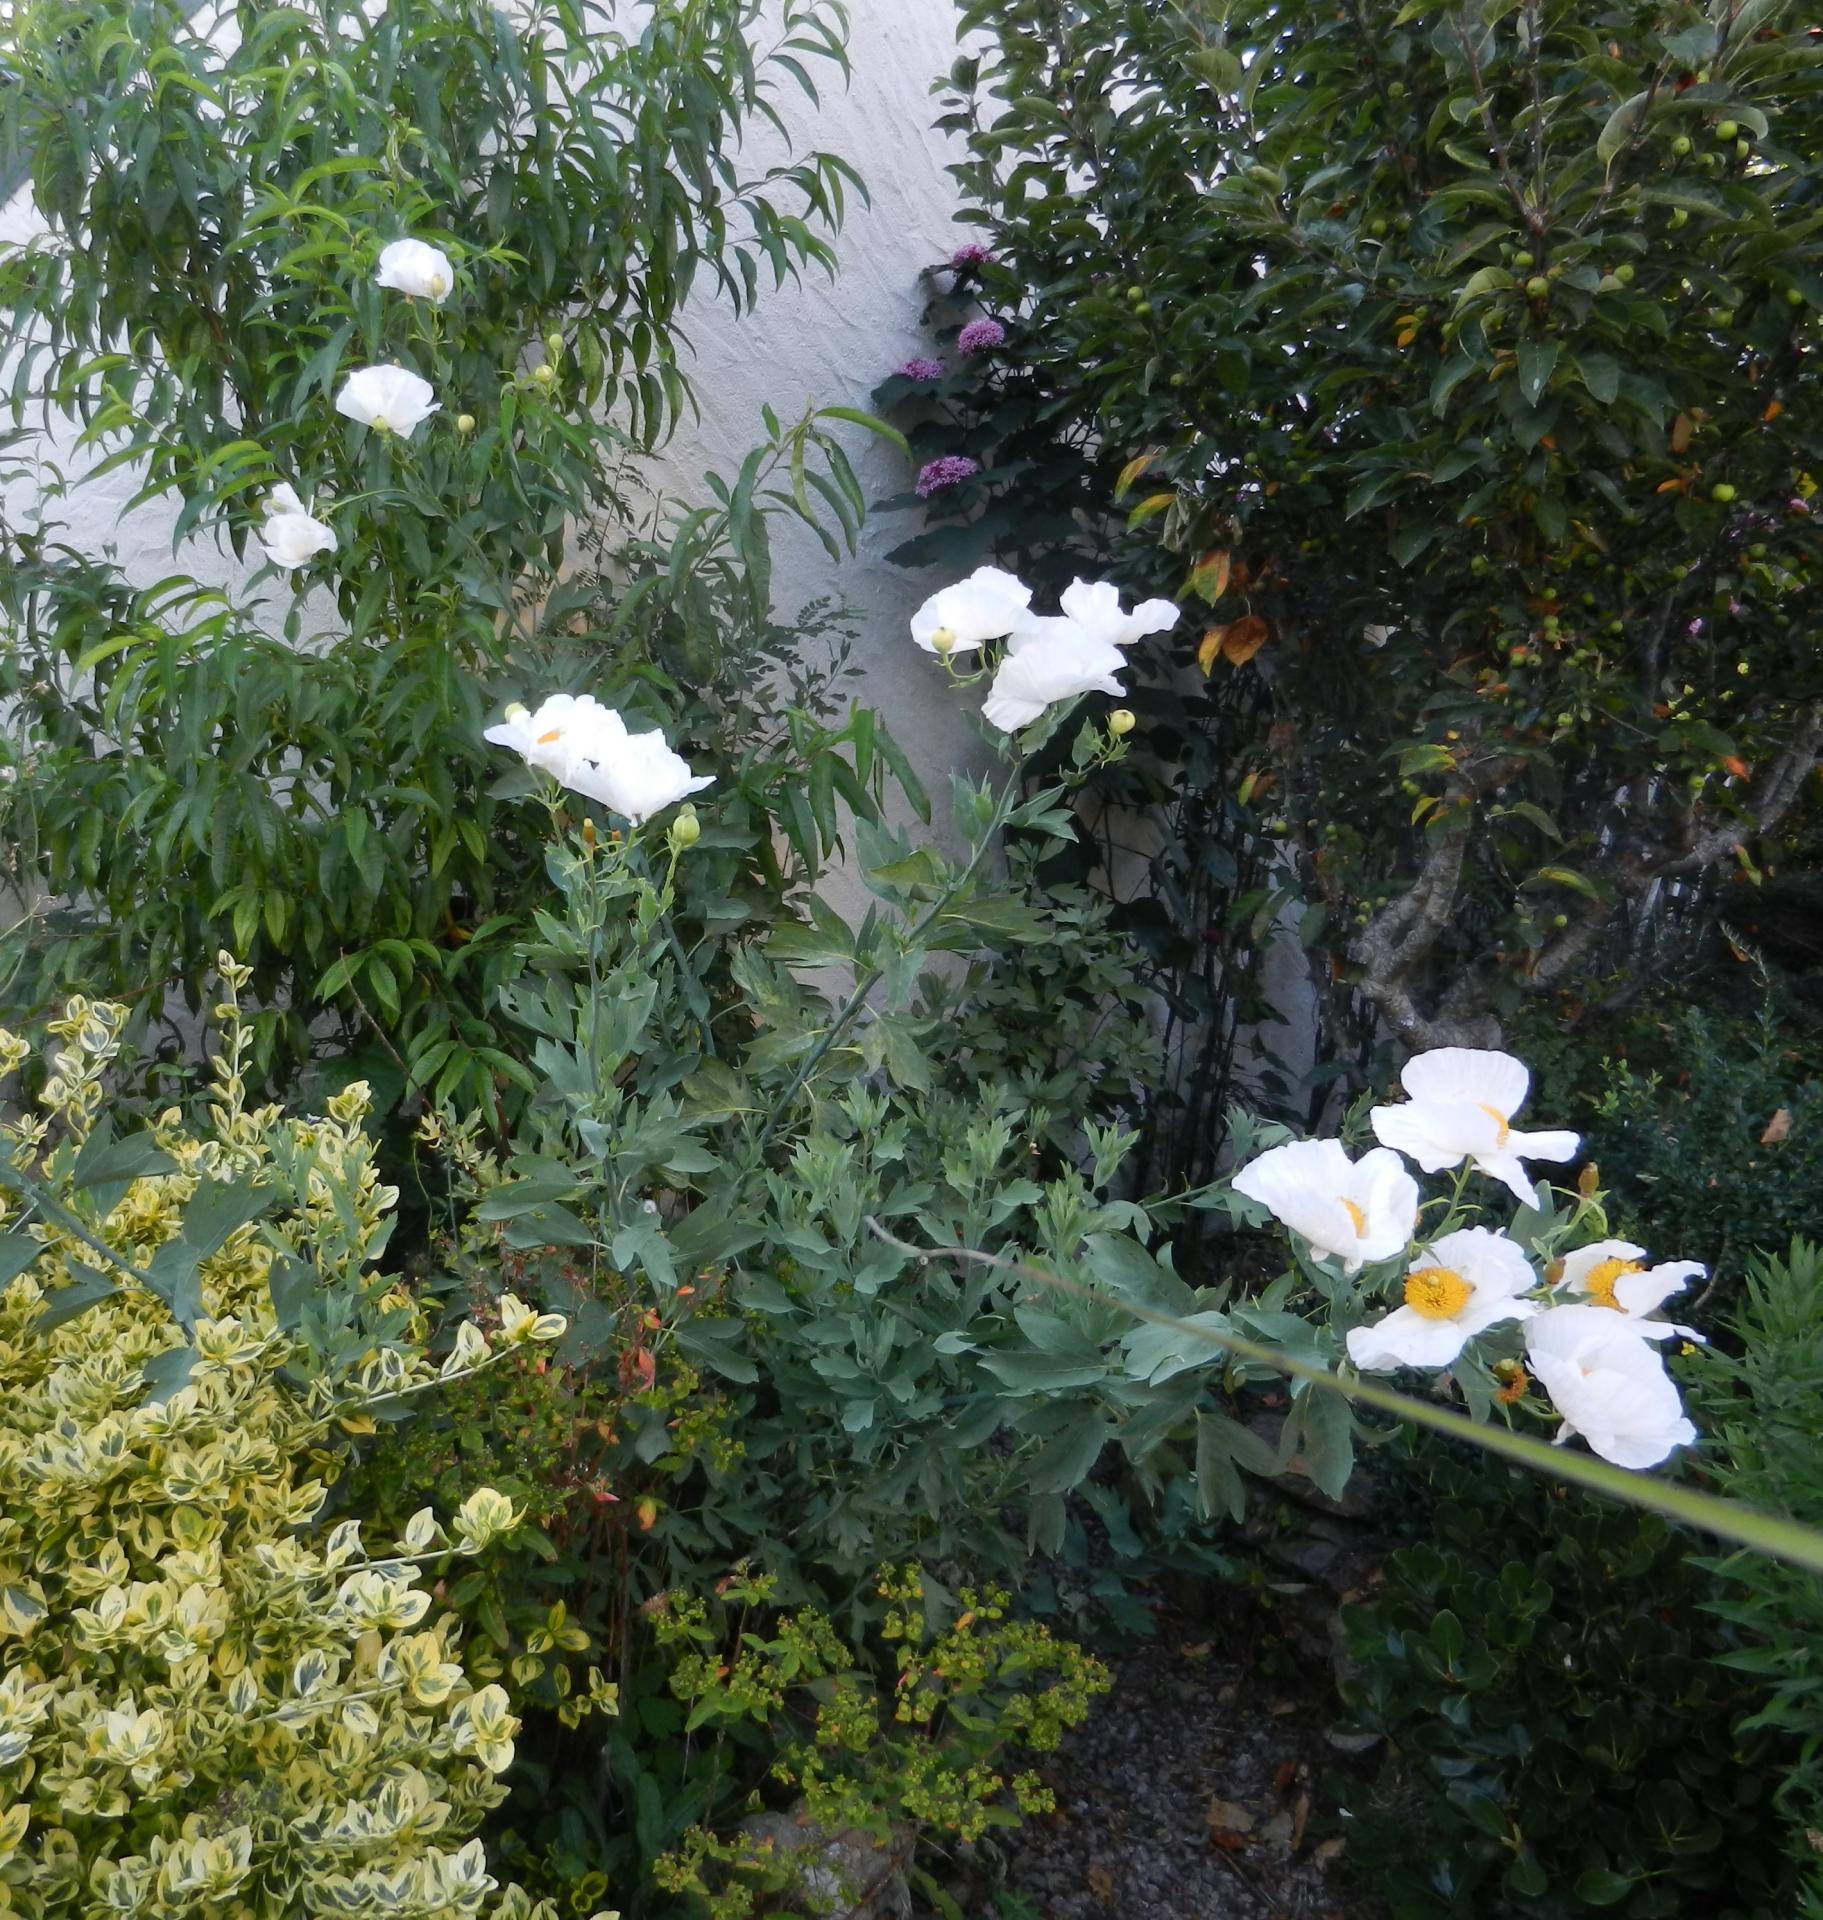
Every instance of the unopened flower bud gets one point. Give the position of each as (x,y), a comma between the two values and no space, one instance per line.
(545,375)
(686,829)
(465,423)
(1121,721)
(944,640)
(553,345)
(517,712)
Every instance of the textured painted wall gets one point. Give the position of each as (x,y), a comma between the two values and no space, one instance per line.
(815,341)
(825,342)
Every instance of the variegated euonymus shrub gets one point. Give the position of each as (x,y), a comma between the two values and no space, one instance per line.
(214,1700)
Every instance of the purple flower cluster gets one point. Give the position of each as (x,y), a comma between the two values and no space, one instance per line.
(979,336)
(947,470)
(974,254)
(921,370)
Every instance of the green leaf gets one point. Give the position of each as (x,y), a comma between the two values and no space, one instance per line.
(88,1289)
(17,1252)
(1448,377)
(1537,360)
(1065,1461)
(102,1162)
(1620,127)
(1568,877)
(164,1373)
(1600,374)
(856,418)
(1411,541)
(1599,1887)
(217,1209)
(1006,917)
(1535,815)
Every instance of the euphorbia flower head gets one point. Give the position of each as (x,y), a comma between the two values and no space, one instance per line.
(1351,1210)
(1608,1383)
(1458,1286)
(988,605)
(1461,1106)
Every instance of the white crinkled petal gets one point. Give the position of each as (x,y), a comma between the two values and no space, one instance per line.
(1470,1076)
(1405,1338)
(1556,1144)
(1409,1128)
(1510,1173)
(1579,1265)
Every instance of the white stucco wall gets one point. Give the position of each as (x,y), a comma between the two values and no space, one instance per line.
(815,341)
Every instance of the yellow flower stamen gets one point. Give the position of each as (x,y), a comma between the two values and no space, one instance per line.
(1438,1293)
(1598,1284)
(1356,1215)
(545,739)
(1500,1121)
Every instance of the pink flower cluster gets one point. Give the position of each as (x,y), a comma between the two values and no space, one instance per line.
(980,336)
(947,470)
(974,254)
(921,370)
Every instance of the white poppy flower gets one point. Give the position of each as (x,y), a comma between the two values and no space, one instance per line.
(1608,1383)
(1355,1210)
(553,738)
(1458,1286)
(639,778)
(1048,660)
(1461,1108)
(389,399)
(291,537)
(988,605)
(1615,1274)
(417,268)
(586,747)
(1095,607)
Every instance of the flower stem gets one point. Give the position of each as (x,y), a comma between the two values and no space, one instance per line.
(866,981)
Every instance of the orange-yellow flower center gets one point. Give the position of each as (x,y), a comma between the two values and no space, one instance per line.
(545,739)
(1438,1293)
(1500,1123)
(1356,1215)
(1598,1283)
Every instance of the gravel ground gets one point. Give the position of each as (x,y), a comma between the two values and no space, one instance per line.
(1189,1795)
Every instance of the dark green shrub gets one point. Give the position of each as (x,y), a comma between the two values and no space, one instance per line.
(1463,360)
(1705,1120)
(1763,1405)
(1558,1709)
